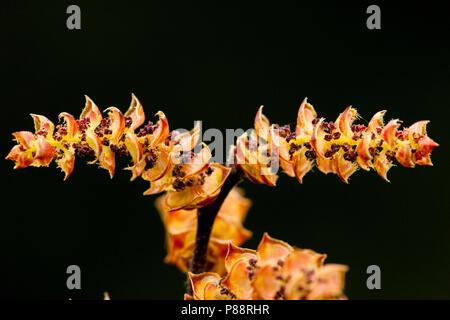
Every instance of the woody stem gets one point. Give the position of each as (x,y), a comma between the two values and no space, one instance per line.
(205,220)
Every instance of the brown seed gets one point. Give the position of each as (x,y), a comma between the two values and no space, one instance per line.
(105,142)
(292,148)
(335,147)
(290,137)
(178,185)
(128,122)
(310,154)
(329,154)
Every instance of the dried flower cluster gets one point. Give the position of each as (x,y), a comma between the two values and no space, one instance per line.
(275,271)
(164,158)
(339,147)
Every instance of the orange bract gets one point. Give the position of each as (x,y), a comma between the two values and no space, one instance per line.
(274,271)
(181,228)
(256,156)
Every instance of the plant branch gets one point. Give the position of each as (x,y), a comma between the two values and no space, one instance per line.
(205,219)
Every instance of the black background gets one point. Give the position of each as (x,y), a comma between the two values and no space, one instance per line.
(218,63)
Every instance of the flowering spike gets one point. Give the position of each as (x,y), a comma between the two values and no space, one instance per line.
(155,151)
(277,271)
(339,147)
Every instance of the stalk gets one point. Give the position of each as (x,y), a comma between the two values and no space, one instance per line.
(205,220)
